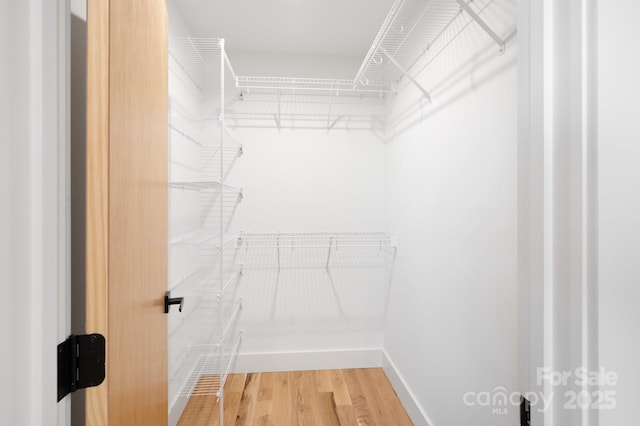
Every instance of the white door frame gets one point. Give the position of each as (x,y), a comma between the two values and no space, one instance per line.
(34,221)
(557,190)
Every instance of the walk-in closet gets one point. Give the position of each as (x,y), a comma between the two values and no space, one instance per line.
(341,199)
(319,212)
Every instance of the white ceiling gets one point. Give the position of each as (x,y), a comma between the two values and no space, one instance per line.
(315,27)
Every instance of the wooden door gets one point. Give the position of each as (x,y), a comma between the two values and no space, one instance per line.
(127,207)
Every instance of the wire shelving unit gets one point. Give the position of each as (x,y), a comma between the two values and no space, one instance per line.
(326,244)
(407,33)
(206,341)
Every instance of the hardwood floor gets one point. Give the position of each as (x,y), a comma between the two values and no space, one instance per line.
(322,397)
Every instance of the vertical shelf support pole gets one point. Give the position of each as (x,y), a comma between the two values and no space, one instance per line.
(278,245)
(405,73)
(279,119)
(330,104)
(464,5)
(221,230)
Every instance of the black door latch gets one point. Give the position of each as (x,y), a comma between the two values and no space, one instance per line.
(168,301)
(525,412)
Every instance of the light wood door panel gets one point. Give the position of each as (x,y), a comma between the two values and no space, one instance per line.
(127,207)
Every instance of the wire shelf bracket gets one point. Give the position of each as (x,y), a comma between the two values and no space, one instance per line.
(405,73)
(499,41)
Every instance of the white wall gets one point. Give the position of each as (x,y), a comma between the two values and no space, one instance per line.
(290,65)
(451,325)
(557,194)
(310,181)
(14,220)
(33,213)
(619,203)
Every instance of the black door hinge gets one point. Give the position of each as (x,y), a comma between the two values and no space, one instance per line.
(525,412)
(81,361)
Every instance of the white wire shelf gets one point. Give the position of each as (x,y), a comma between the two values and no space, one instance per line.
(205,185)
(208,324)
(408,32)
(301,109)
(206,372)
(195,283)
(410,27)
(195,53)
(205,138)
(205,282)
(195,56)
(327,250)
(310,86)
(202,237)
(200,62)
(316,240)
(212,333)
(210,155)
(331,242)
(232,280)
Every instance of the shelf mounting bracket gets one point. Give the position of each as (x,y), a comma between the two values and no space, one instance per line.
(330,104)
(278,243)
(464,5)
(405,73)
(279,117)
(329,253)
(333,124)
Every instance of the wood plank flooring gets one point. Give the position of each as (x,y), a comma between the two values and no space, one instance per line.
(311,398)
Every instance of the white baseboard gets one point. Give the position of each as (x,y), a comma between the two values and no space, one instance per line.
(414,410)
(308,360)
